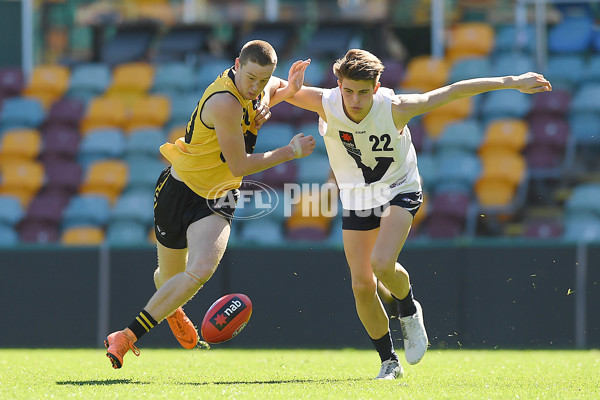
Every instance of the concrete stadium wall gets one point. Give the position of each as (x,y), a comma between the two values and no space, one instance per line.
(483,296)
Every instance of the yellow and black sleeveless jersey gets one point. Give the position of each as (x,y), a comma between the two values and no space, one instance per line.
(197,157)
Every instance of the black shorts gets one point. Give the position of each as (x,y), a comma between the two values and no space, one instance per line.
(365,220)
(176,207)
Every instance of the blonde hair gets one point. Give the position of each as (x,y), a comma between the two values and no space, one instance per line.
(259,52)
(358,65)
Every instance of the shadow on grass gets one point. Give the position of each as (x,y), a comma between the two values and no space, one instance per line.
(104,382)
(274,382)
(107,382)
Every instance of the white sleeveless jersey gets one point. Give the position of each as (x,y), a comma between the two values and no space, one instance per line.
(372,161)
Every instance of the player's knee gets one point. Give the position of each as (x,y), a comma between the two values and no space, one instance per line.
(363,288)
(383,267)
(200,272)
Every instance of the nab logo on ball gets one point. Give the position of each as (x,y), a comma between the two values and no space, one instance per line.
(227,313)
(226,318)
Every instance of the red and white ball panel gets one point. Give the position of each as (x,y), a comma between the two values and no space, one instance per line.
(226,317)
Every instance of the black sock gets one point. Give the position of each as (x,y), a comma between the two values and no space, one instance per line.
(142,324)
(385,347)
(407,304)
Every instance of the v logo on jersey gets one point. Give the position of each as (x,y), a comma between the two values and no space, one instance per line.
(348,142)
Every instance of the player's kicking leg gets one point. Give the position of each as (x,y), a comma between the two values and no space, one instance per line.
(170,263)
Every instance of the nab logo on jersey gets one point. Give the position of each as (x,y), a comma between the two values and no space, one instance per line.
(228,312)
(348,141)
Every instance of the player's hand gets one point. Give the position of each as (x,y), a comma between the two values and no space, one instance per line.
(296,75)
(302,146)
(263,113)
(532,82)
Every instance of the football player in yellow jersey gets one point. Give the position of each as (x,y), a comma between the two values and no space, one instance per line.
(207,165)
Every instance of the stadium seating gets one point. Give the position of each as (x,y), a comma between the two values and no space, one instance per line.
(34,231)
(144,172)
(105,178)
(503,174)
(11,211)
(22,179)
(424,73)
(457,170)
(86,210)
(437,120)
(470,39)
(88,81)
(547,148)
(136,206)
(173,79)
(571,35)
(591,73)
(510,39)
(82,236)
(131,80)
(19,145)
(126,233)
(21,112)
(557,102)
(505,104)
(182,43)
(8,236)
(63,174)
(144,141)
(104,112)
(273,135)
(512,64)
(130,43)
(260,231)
(565,71)
(12,82)
(99,144)
(65,112)
(279,35)
(60,141)
(48,83)
(509,134)
(149,111)
(469,68)
(464,135)
(313,169)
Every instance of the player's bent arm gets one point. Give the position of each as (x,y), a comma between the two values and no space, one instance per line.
(407,106)
(224,112)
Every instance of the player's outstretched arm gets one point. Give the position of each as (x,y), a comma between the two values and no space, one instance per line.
(408,106)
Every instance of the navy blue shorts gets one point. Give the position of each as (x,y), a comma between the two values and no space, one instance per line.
(366,220)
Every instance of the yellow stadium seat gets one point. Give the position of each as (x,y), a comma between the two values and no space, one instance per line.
(106,178)
(436,120)
(104,112)
(22,179)
(425,73)
(470,39)
(510,134)
(502,173)
(83,236)
(152,111)
(48,83)
(131,78)
(20,144)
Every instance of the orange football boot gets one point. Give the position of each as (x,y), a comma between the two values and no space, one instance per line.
(184,330)
(118,344)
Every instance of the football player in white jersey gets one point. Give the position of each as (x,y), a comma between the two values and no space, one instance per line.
(374,163)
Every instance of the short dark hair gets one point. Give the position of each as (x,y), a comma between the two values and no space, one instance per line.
(259,52)
(359,65)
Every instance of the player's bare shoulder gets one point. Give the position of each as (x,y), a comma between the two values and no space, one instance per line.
(219,106)
(402,109)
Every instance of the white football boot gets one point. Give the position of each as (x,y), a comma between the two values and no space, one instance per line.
(415,336)
(390,369)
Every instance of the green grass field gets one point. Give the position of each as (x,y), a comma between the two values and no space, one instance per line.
(297,374)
